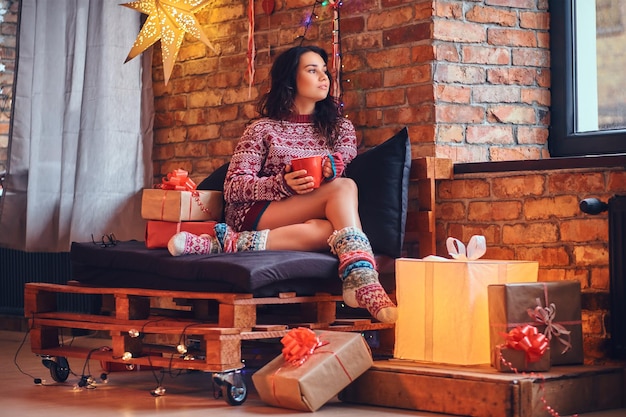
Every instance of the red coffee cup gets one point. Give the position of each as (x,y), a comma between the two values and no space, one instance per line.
(312,165)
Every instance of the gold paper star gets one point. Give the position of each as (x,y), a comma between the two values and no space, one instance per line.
(167,20)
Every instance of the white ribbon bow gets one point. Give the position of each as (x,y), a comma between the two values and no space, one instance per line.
(476,248)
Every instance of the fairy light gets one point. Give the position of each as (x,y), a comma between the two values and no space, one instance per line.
(126,356)
(133,333)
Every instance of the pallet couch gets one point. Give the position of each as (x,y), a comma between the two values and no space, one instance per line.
(209,304)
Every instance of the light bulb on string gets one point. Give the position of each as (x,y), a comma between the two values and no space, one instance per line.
(182,349)
(133,333)
(158,391)
(126,356)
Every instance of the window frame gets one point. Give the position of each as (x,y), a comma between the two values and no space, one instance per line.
(563,140)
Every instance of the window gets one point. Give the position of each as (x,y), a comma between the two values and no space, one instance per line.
(588,79)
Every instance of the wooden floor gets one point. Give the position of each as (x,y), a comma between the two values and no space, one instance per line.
(128,393)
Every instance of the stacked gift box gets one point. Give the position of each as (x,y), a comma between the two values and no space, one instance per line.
(176,205)
(470,311)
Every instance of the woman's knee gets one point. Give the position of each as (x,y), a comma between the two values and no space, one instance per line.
(344,186)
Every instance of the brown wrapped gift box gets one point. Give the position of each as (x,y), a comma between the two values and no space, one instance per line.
(323,375)
(158,233)
(176,206)
(517,359)
(509,305)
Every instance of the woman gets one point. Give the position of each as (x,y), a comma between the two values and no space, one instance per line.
(271,206)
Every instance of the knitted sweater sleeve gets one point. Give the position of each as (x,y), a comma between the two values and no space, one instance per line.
(345,149)
(243,181)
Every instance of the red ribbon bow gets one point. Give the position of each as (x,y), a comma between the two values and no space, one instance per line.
(528,339)
(178,180)
(299,344)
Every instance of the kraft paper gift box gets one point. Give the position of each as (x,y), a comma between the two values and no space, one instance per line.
(324,373)
(442,307)
(517,360)
(553,307)
(176,206)
(158,233)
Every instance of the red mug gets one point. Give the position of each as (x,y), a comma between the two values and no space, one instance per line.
(312,165)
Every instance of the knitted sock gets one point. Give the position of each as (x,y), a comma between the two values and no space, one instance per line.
(357,269)
(185,243)
(232,241)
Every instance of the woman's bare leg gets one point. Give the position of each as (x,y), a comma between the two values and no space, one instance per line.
(333,206)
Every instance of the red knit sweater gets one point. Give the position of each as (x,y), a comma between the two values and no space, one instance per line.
(266,146)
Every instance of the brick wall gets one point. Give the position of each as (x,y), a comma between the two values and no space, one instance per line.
(535,216)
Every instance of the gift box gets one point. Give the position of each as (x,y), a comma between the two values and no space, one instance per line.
(177,206)
(308,384)
(442,307)
(158,233)
(513,360)
(553,307)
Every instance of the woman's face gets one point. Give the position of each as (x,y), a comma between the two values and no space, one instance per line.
(312,83)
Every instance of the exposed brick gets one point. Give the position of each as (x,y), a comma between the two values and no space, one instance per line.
(590,255)
(450,133)
(459,113)
(515,114)
(534,20)
(485,55)
(496,94)
(548,257)
(518,185)
(457,31)
(451,211)
(584,230)
(566,183)
(494,210)
(481,14)
(407,34)
(390,17)
(515,153)
(406,76)
(459,189)
(526,233)
(463,74)
(453,93)
(489,134)
(531,57)
(564,206)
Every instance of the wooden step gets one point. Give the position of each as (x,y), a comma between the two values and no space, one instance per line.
(481,391)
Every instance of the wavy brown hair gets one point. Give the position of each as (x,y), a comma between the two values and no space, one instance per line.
(278,102)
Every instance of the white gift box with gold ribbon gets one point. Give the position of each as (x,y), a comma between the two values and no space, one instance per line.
(443,313)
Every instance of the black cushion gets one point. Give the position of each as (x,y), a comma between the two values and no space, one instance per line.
(215,181)
(263,274)
(382,175)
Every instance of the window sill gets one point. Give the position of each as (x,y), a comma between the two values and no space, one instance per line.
(594,161)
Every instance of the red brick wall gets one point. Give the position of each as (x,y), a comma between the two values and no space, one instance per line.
(535,216)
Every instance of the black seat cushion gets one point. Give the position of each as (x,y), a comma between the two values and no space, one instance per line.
(264,274)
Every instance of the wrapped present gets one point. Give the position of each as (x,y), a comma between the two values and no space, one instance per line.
(553,307)
(442,303)
(314,367)
(158,233)
(524,350)
(176,206)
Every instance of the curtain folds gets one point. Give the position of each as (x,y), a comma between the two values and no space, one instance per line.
(81,141)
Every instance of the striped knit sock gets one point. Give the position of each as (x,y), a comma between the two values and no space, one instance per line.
(185,243)
(357,269)
(232,241)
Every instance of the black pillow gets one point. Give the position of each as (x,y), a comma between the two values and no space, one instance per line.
(215,181)
(382,175)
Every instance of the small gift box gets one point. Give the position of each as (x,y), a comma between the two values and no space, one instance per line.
(553,307)
(525,350)
(442,303)
(314,367)
(176,199)
(158,233)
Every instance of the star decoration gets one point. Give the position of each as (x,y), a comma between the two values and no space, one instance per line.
(168,20)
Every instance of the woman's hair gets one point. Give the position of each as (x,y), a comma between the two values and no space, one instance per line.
(278,103)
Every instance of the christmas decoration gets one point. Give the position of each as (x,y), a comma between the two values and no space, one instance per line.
(168,20)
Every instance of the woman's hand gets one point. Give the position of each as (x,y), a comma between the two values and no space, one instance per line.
(299,181)
(327,169)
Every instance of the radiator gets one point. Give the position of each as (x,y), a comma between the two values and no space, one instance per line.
(616,207)
(18,268)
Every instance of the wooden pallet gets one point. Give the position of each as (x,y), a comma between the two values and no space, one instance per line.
(218,335)
(481,391)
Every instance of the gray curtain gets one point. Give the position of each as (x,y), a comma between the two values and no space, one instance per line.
(81,140)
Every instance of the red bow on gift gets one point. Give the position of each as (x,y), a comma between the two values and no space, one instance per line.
(528,339)
(299,344)
(178,180)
